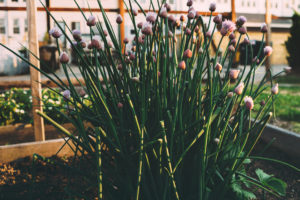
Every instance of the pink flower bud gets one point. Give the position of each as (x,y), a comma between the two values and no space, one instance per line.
(242,30)
(147,28)
(230,94)
(188,31)
(241,21)
(231,36)
(91,21)
(234,73)
(95,44)
(163,12)
(268,51)
(82,92)
(125,40)
(197,29)
(208,34)
(66,94)
(233,42)
(119,19)
(170,34)
(171,19)
(120,67)
(189,3)
(262,103)
(264,28)
(246,41)
(55,32)
(231,48)
(134,12)
(239,89)
(182,65)
(217,140)
(212,7)
(151,17)
(158,74)
(218,19)
(105,33)
(218,67)
(83,44)
(274,89)
(120,105)
(192,14)
(140,25)
(249,102)
(135,79)
(182,18)
(132,56)
(287,70)
(187,53)
(168,7)
(64,58)
(76,35)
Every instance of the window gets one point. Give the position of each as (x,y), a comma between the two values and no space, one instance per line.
(1,1)
(2,26)
(26,25)
(14,0)
(75,25)
(16,27)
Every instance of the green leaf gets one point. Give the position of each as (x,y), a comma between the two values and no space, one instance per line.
(271,182)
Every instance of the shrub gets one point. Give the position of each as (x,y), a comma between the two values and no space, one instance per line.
(293,42)
(167,119)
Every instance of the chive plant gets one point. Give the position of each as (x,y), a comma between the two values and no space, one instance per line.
(162,116)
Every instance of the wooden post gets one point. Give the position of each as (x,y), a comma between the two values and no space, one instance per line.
(48,19)
(122,25)
(233,12)
(268,21)
(35,77)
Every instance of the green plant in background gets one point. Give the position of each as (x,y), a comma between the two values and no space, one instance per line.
(16,106)
(293,43)
(167,119)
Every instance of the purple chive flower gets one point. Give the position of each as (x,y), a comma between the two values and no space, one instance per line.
(189,3)
(263,28)
(119,19)
(91,21)
(246,41)
(192,13)
(140,25)
(231,36)
(262,103)
(242,30)
(231,48)
(249,102)
(268,51)
(151,17)
(76,35)
(212,7)
(147,28)
(218,19)
(120,105)
(95,43)
(208,34)
(55,32)
(241,20)
(171,19)
(125,40)
(135,12)
(163,12)
(64,58)
(188,31)
(227,27)
(167,6)
(233,42)
(66,94)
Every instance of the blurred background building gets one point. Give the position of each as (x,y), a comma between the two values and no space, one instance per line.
(14,28)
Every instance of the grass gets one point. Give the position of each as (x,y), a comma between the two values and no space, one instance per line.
(287,107)
(291,79)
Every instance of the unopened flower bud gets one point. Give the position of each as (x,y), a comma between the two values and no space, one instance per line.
(120,67)
(134,12)
(91,21)
(187,53)
(140,25)
(231,36)
(64,58)
(268,51)
(218,19)
(105,33)
(76,35)
(249,102)
(274,89)
(234,73)
(188,31)
(218,67)
(182,18)
(262,103)
(171,19)
(246,41)
(212,7)
(82,92)
(120,105)
(55,32)
(189,3)
(287,70)
(241,21)
(95,43)
(66,94)
(230,94)
(119,19)
(208,34)
(125,40)
(163,12)
(231,48)
(182,65)
(242,30)
(239,89)
(264,28)
(217,140)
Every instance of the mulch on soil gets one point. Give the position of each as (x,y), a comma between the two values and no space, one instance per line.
(51,181)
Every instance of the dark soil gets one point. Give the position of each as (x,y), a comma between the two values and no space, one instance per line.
(51,181)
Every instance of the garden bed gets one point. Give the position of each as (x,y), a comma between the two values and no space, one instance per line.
(15,178)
